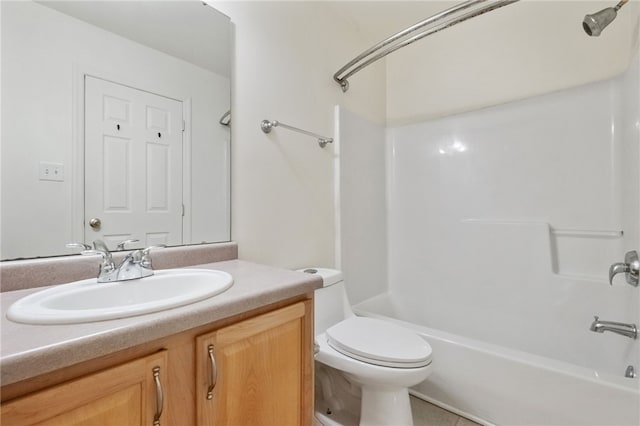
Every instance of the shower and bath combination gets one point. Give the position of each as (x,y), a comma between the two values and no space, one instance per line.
(593,25)
(510,348)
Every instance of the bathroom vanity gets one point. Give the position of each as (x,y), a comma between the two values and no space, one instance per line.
(242,357)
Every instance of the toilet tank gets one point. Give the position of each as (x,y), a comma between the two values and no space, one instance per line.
(331,303)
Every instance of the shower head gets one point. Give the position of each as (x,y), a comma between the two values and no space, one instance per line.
(595,23)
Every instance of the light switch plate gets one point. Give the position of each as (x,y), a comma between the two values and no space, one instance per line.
(51,171)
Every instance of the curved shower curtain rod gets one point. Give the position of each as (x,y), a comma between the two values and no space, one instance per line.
(404,38)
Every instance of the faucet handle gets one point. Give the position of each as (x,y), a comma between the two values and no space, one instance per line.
(100,245)
(617,268)
(90,252)
(121,245)
(148,249)
(146,255)
(630,267)
(82,246)
(107,262)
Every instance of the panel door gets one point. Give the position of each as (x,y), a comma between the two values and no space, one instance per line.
(125,395)
(261,368)
(133,165)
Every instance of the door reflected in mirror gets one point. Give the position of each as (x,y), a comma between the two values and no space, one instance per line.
(112,125)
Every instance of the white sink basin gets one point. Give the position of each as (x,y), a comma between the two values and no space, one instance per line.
(88,300)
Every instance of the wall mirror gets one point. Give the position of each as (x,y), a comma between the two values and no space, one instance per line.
(115,125)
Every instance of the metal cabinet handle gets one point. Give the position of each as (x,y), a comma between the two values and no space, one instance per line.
(213,373)
(159,396)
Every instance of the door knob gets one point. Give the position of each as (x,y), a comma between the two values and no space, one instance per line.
(630,267)
(95,223)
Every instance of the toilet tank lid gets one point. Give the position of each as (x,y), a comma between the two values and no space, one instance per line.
(329,276)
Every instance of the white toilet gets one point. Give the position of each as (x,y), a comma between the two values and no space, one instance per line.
(378,359)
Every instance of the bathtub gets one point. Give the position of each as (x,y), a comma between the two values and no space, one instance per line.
(495,385)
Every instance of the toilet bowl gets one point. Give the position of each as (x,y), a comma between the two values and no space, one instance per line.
(382,359)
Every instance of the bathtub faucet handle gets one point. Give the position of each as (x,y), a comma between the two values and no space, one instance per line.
(630,267)
(617,268)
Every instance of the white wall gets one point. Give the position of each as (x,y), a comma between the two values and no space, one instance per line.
(40,49)
(525,49)
(282,185)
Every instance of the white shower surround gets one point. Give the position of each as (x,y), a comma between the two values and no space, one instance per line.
(501,226)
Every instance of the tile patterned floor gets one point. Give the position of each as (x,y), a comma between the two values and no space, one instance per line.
(426,414)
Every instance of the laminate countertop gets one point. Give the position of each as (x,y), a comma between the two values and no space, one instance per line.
(31,350)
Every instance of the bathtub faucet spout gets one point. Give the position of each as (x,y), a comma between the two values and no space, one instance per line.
(629,330)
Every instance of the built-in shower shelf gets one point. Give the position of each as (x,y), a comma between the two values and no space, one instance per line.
(567,253)
(585,278)
(564,232)
(588,233)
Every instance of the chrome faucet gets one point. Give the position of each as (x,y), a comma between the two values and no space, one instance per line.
(136,264)
(629,330)
(107,271)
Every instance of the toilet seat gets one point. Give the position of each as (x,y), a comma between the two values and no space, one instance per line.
(379,342)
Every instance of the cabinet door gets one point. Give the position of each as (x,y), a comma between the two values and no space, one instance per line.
(258,371)
(126,395)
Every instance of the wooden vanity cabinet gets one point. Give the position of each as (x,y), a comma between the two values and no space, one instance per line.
(130,394)
(263,375)
(257,371)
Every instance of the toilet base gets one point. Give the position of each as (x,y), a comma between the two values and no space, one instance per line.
(379,407)
(385,406)
(342,400)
